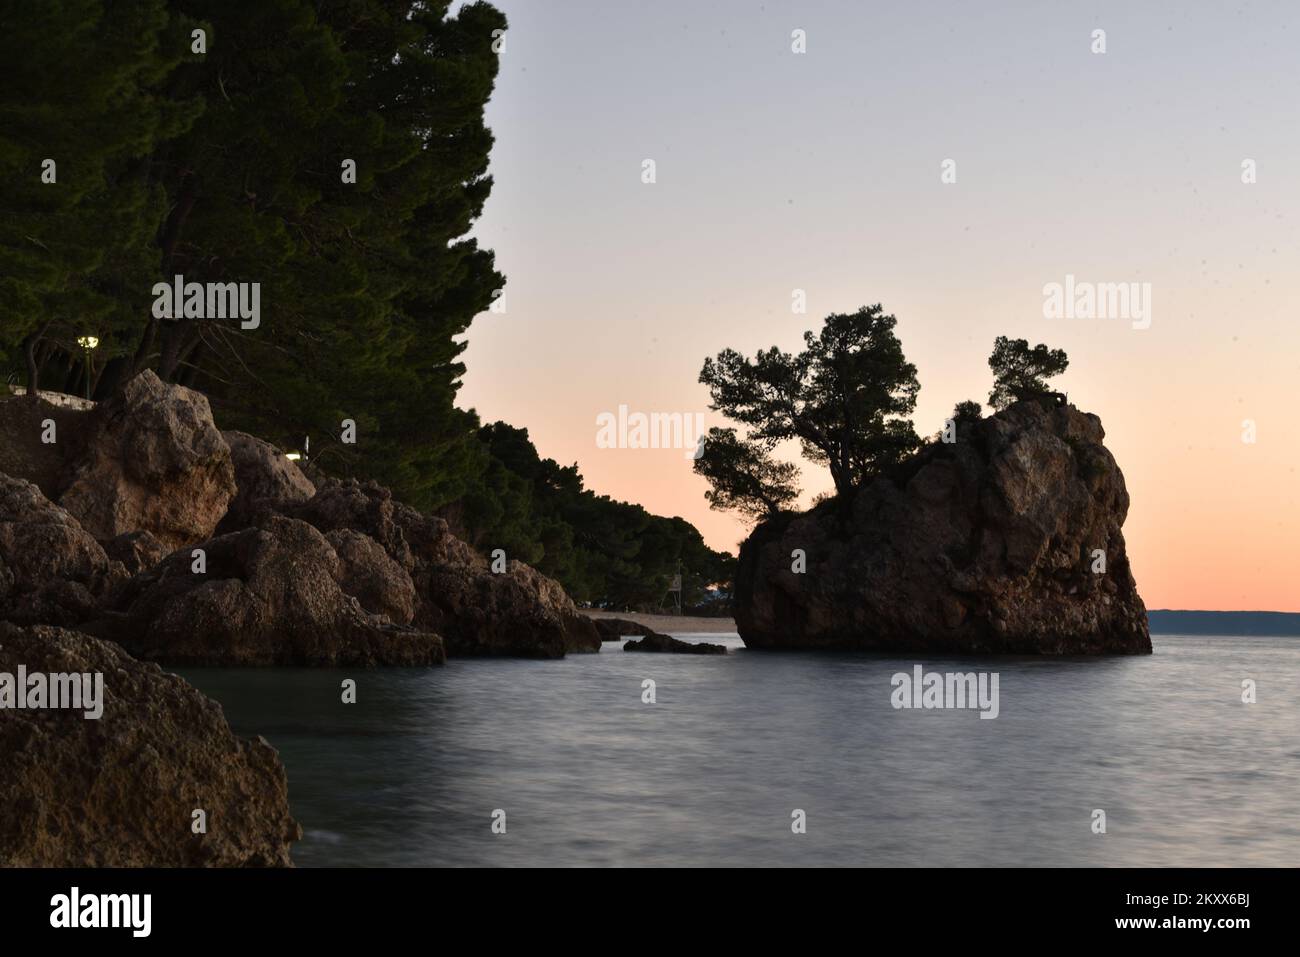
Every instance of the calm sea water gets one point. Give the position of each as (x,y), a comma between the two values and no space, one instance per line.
(709,775)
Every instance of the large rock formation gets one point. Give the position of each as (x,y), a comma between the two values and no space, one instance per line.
(518,612)
(265,479)
(51,570)
(121,790)
(268,595)
(987,545)
(152,461)
(375,582)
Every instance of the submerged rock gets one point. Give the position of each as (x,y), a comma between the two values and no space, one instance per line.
(987,545)
(655,642)
(121,790)
(616,629)
(152,461)
(268,595)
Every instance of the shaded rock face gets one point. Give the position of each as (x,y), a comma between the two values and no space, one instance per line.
(152,461)
(983,546)
(120,791)
(51,570)
(264,478)
(137,551)
(270,595)
(519,612)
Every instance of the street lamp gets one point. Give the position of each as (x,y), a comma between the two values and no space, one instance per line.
(88,343)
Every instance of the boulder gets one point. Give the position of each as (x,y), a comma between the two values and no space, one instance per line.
(269,595)
(137,551)
(987,545)
(518,612)
(51,570)
(368,574)
(152,461)
(120,790)
(265,480)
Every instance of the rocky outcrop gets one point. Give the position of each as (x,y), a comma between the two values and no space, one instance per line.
(151,478)
(368,574)
(993,544)
(51,570)
(652,641)
(265,480)
(154,462)
(121,790)
(516,612)
(268,595)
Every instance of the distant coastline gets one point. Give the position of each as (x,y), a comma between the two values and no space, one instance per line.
(1271,624)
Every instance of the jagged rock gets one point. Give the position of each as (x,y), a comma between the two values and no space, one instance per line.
(982,546)
(270,595)
(652,641)
(265,480)
(518,612)
(153,461)
(51,570)
(120,790)
(368,574)
(137,551)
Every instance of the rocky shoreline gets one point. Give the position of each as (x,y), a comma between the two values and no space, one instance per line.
(143,535)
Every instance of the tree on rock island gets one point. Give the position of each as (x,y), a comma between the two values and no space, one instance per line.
(844,398)
(1020,372)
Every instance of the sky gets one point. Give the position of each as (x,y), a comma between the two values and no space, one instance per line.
(823,171)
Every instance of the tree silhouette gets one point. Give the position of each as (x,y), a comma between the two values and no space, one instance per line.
(1019,372)
(744,475)
(842,397)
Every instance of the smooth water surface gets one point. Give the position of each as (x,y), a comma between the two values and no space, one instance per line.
(588,774)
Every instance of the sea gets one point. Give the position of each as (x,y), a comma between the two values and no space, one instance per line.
(761,758)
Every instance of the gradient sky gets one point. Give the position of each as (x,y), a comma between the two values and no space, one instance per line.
(821,171)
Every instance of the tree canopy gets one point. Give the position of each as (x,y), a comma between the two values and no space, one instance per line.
(224,158)
(844,397)
(1021,371)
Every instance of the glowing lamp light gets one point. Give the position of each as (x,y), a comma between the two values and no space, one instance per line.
(292,456)
(88,342)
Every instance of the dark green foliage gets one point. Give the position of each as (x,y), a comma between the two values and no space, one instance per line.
(1019,371)
(610,553)
(843,397)
(226,166)
(77,86)
(744,476)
